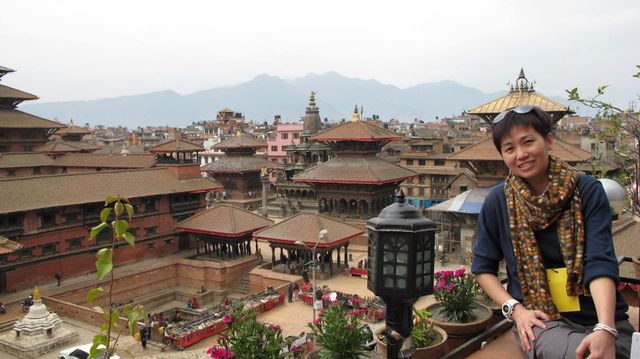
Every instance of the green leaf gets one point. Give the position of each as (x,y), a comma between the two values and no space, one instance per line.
(98,339)
(129,238)
(601,89)
(110,199)
(104,214)
(120,227)
(97,229)
(119,208)
(93,293)
(104,264)
(129,209)
(114,318)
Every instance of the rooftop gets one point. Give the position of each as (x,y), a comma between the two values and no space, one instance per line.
(355,170)
(306,227)
(31,193)
(224,220)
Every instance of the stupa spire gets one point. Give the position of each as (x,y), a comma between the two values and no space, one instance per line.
(356,116)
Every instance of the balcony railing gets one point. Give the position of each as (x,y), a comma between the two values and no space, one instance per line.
(184,206)
(12,232)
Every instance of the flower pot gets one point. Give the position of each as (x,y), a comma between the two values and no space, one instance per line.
(459,333)
(433,351)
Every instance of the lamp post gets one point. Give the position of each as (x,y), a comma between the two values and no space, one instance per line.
(401,255)
(322,235)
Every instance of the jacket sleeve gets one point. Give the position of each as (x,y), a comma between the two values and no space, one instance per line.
(600,258)
(487,253)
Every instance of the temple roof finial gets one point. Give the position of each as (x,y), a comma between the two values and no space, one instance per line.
(355,117)
(521,76)
(36,293)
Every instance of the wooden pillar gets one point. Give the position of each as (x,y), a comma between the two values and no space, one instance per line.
(346,258)
(331,262)
(338,256)
(273,256)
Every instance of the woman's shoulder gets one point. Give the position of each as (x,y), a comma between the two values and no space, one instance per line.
(495,196)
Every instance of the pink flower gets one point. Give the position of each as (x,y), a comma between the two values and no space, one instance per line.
(350,326)
(296,350)
(450,287)
(317,322)
(217,352)
(459,272)
(356,301)
(275,327)
(227,319)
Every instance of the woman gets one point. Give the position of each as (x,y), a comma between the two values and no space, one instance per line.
(550,223)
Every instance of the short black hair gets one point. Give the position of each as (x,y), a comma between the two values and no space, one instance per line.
(536,118)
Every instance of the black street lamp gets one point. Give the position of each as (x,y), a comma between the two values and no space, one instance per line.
(401,256)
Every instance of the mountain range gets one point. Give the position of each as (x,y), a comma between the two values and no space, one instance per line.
(265,96)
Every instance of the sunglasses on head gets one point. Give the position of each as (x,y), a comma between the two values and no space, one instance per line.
(522,109)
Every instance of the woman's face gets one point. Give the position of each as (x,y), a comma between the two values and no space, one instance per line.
(526,153)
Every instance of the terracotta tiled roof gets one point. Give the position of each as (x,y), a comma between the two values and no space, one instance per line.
(241,141)
(9,92)
(19,160)
(224,220)
(72,130)
(485,150)
(106,161)
(516,98)
(238,164)
(356,131)
(60,146)
(31,193)
(176,145)
(306,227)
(448,171)
(10,118)
(8,246)
(355,170)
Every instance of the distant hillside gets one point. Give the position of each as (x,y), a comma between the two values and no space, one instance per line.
(265,96)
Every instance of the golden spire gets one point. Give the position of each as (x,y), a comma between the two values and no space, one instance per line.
(36,293)
(355,117)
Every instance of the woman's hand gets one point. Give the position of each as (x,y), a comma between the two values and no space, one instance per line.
(599,345)
(525,321)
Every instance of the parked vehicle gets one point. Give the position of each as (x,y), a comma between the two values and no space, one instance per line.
(80,352)
(26,304)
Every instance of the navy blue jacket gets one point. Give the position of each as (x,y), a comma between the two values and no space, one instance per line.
(493,244)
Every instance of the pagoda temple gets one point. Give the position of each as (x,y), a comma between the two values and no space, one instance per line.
(299,196)
(520,93)
(67,140)
(20,131)
(39,332)
(356,183)
(239,170)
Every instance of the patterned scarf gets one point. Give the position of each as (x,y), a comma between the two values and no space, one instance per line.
(529,213)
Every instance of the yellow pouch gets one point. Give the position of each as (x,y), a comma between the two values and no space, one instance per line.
(557,279)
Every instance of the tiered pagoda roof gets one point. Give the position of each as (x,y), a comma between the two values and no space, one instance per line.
(305,227)
(239,164)
(59,146)
(224,220)
(72,130)
(356,144)
(355,170)
(522,93)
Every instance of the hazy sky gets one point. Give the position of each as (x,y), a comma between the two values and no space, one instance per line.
(76,50)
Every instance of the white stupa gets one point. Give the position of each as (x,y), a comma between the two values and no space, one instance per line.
(39,332)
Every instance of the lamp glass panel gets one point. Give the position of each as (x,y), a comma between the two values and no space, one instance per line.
(388,282)
(401,270)
(401,283)
(402,258)
(388,269)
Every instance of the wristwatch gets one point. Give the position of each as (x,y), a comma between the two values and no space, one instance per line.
(507,308)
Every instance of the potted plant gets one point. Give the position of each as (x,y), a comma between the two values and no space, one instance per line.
(428,338)
(457,310)
(338,334)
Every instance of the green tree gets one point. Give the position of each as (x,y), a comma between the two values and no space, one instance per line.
(111,218)
(340,334)
(618,123)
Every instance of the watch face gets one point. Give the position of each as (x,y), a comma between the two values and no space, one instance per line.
(505,309)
